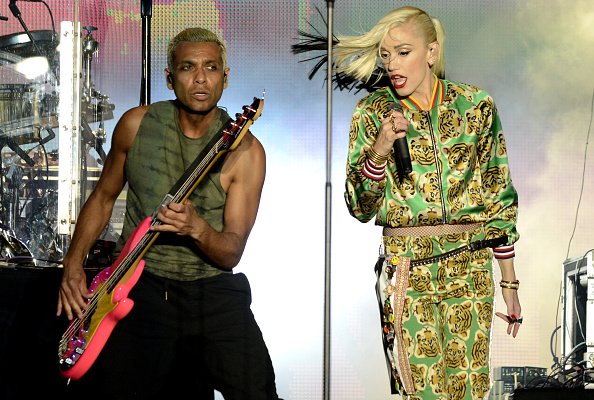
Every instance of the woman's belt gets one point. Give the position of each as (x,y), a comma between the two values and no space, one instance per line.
(473,246)
(430,230)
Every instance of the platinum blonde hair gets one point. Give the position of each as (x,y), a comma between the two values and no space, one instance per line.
(357,56)
(196,35)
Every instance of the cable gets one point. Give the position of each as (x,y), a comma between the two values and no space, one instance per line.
(583,177)
(575,222)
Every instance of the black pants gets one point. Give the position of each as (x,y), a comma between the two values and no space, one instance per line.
(185,338)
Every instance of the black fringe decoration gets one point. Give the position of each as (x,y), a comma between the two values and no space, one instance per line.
(317,44)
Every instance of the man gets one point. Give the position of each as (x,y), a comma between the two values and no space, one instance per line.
(191,329)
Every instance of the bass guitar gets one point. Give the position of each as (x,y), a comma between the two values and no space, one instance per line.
(86,336)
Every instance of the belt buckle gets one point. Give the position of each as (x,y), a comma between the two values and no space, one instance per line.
(477,245)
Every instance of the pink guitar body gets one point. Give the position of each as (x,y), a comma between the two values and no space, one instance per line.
(88,340)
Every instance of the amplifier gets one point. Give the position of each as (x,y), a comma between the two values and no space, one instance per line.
(578,311)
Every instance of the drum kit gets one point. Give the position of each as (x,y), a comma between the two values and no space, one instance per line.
(29,99)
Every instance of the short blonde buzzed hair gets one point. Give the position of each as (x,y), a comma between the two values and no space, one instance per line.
(195,35)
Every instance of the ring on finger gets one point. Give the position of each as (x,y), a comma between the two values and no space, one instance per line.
(394,125)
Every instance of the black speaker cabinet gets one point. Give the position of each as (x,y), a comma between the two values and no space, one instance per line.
(29,333)
(553,394)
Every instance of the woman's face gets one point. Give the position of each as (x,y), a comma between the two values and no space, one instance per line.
(406,57)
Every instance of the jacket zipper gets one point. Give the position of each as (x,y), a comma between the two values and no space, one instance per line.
(434,140)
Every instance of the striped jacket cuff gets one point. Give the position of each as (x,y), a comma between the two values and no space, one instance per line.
(504,252)
(375,172)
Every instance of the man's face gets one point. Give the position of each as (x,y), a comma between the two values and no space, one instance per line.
(198,77)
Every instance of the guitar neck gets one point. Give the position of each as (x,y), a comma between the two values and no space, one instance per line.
(199,167)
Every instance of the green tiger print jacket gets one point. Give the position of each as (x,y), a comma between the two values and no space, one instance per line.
(459,161)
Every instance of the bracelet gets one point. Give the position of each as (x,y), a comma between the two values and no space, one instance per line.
(375,157)
(510,284)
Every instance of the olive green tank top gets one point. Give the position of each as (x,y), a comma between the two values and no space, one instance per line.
(157,159)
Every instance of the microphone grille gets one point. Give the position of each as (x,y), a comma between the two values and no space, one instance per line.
(396,106)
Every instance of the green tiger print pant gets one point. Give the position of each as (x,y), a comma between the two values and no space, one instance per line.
(436,318)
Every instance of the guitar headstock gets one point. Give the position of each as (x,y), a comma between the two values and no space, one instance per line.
(237,128)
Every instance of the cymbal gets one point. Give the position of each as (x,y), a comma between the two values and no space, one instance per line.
(20,44)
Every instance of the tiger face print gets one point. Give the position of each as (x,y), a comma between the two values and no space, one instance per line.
(494,179)
(420,279)
(421,150)
(418,373)
(480,351)
(482,282)
(454,194)
(368,201)
(406,311)
(436,377)
(460,319)
(398,215)
(353,131)
(441,277)
(403,190)
(475,196)
(394,244)
(479,258)
(493,210)
(485,149)
(453,238)
(478,117)
(459,157)
(457,267)
(422,247)
(424,313)
(456,386)
(493,231)
(458,290)
(480,385)
(455,354)
(429,217)
(429,187)
(408,341)
(454,91)
(484,311)
(502,148)
(449,125)
(427,344)
(419,121)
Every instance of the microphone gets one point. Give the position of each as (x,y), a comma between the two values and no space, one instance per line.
(401,152)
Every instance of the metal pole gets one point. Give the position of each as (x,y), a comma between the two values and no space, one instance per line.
(327,287)
(145,84)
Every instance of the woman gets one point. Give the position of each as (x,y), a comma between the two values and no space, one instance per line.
(444,220)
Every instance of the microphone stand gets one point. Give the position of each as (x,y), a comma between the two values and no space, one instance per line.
(17,14)
(327,286)
(145,84)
